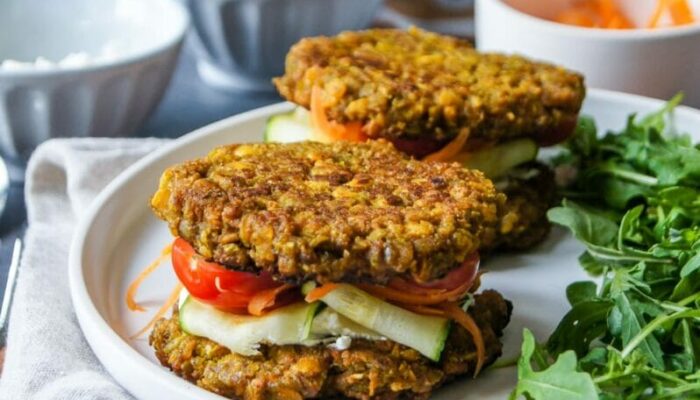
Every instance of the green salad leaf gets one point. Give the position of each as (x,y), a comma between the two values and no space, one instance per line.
(635,205)
(559,380)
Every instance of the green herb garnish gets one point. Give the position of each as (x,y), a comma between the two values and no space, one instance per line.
(558,380)
(635,203)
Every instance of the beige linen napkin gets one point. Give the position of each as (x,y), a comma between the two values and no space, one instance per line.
(47,356)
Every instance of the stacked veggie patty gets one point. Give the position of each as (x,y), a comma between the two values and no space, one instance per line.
(415,85)
(330,213)
(381,370)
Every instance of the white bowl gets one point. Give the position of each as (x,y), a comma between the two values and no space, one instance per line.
(657,63)
(133,46)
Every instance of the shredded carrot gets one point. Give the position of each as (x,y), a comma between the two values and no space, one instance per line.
(658,12)
(422,298)
(607,10)
(451,149)
(134,286)
(607,14)
(575,17)
(172,299)
(423,310)
(351,132)
(320,291)
(618,23)
(265,299)
(681,13)
(595,14)
(404,285)
(455,312)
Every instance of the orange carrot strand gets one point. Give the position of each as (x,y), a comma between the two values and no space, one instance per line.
(266,299)
(451,149)
(134,286)
(423,310)
(455,312)
(438,296)
(172,299)
(321,291)
(681,13)
(656,15)
(351,132)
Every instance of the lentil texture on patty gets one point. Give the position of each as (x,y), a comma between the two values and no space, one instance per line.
(531,192)
(411,84)
(381,370)
(329,212)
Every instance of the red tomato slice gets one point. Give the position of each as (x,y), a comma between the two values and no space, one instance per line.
(557,134)
(418,148)
(466,272)
(213,284)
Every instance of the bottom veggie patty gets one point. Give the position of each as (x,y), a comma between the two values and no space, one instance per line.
(366,370)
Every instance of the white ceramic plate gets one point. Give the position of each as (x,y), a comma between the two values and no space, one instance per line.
(119,236)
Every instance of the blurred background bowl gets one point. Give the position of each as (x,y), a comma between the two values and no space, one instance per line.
(652,62)
(132,45)
(242,43)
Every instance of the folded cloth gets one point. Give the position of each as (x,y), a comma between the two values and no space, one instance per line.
(47,355)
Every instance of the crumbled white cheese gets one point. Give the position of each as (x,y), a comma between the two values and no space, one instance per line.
(73,60)
(342,343)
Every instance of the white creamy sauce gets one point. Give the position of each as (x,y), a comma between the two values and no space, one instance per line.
(342,343)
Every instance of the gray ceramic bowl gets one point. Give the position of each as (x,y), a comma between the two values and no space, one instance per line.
(243,43)
(133,47)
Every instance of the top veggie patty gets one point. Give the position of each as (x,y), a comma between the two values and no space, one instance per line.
(330,212)
(415,84)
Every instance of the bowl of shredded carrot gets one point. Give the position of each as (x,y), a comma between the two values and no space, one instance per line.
(648,47)
(612,14)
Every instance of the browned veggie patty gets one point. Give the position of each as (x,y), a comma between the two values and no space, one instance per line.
(531,191)
(415,84)
(376,370)
(329,212)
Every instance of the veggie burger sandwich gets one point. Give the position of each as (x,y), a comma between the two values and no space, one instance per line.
(316,270)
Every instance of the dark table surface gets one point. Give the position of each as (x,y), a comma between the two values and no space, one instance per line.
(188,104)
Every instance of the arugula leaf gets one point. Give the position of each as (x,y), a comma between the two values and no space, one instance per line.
(579,292)
(618,193)
(593,266)
(560,380)
(586,225)
(632,323)
(683,337)
(629,228)
(585,138)
(672,166)
(637,211)
(585,322)
(657,120)
(691,265)
(687,286)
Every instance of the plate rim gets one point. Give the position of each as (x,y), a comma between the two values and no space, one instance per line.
(101,337)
